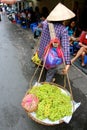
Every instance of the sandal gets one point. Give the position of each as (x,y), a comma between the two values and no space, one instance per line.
(83,65)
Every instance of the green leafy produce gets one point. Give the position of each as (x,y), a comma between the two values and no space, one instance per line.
(53,103)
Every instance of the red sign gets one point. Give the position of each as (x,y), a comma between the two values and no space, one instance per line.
(9,1)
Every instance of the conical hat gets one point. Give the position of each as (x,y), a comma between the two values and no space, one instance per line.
(60,13)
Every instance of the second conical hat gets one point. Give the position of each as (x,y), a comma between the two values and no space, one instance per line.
(60,13)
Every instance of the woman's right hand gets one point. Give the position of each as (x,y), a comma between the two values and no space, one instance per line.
(65,70)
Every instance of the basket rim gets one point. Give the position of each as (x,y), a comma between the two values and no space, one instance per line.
(43,123)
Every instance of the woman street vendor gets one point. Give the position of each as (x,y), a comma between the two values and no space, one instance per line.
(57,16)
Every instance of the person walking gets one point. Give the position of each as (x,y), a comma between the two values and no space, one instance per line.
(59,14)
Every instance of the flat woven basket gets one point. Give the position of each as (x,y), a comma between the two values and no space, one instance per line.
(34,118)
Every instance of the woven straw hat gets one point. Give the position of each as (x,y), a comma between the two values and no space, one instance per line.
(60,13)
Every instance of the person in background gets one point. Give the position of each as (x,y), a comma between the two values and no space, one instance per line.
(83,47)
(28,18)
(75,39)
(23,18)
(0,13)
(45,11)
(74,32)
(71,28)
(32,12)
(57,16)
(3,10)
(37,14)
(38,29)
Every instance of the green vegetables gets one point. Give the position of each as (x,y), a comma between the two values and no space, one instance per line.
(53,103)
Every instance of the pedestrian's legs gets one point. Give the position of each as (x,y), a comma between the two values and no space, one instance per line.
(50,74)
(79,53)
(82,58)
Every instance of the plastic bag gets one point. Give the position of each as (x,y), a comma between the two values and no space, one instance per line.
(36,59)
(30,102)
(52,59)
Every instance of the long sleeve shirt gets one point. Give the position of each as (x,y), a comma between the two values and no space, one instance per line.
(62,34)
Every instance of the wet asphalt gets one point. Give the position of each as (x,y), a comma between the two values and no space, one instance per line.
(16,70)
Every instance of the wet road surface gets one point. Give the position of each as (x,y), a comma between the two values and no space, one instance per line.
(15,73)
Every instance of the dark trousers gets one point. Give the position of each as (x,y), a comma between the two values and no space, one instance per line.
(51,72)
